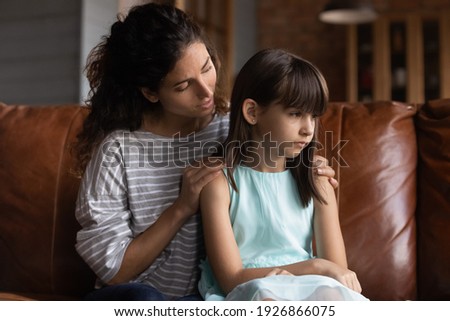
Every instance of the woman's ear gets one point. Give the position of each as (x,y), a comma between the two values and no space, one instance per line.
(150,95)
(249,111)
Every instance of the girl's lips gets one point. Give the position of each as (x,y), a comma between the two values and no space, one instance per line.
(301,144)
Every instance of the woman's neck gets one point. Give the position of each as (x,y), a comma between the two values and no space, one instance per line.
(170,125)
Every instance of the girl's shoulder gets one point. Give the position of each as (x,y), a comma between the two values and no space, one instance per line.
(216,193)
(218,185)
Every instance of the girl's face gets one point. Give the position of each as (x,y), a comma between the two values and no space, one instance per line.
(288,130)
(188,90)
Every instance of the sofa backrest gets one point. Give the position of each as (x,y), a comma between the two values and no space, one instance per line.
(37,201)
(372,148)
(433,208)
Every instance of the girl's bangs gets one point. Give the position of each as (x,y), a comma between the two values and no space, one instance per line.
(305,90)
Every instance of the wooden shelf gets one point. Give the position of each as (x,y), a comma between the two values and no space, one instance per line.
(408,55)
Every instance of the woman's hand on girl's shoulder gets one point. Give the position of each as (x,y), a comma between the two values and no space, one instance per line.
(322,169)
(195,178)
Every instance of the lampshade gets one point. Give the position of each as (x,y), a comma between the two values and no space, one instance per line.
(348,12)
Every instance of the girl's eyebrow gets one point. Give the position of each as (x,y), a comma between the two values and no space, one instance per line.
(184,80)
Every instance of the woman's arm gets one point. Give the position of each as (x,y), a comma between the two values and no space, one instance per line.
(145,248)
(106,241)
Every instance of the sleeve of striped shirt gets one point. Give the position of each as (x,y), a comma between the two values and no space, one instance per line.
(102,211)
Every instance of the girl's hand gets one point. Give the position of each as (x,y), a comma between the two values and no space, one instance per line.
(323,169)
(349,279)
(278,271)
(343,275)
(193,181)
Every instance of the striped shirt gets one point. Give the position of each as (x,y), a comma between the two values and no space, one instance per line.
(131,179)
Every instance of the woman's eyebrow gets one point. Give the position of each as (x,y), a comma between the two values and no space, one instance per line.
(184,80)
(206,62)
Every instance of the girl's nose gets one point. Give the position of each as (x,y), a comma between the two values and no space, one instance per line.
(307,126)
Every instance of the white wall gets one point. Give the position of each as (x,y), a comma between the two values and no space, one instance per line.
(44,45)
(97,16)
(39,51)
(245,32)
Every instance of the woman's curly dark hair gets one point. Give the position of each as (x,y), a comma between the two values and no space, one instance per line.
(139,52)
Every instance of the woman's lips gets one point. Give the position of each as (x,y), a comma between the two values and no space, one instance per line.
(209,104)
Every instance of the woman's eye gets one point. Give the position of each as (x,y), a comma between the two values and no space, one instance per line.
(182,87)
(296,114)
(208,68)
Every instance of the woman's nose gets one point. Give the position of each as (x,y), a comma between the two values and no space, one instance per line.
(204,91)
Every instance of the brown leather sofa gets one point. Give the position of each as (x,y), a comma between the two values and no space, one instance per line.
(392,161)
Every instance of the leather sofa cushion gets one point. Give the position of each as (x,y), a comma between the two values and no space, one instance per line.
(372,148)
(37,201)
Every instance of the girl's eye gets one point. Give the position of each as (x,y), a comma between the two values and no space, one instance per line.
(296,114)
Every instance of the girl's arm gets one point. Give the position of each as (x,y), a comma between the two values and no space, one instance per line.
(222,250)
(328,236)
(223,253)
(327,229)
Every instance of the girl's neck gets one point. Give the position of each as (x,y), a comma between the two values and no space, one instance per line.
(267,160)
(170,125)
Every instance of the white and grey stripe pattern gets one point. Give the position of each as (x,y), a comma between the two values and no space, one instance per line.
(132,178)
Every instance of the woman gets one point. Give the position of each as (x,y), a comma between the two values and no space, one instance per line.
(155,113)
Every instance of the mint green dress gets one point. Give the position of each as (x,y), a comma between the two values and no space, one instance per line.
(272,228)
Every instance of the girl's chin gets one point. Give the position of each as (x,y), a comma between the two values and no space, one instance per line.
(292,153)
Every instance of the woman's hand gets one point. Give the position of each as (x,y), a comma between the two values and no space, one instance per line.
(194,179)
(322,168)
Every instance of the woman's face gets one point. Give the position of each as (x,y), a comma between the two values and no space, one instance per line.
(188,90)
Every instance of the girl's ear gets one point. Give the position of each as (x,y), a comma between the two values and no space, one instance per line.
(249,111)
(150,95)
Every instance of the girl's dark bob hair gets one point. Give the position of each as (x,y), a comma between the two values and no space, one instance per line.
(274,76)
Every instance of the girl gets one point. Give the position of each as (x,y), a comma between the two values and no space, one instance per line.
(155,111)
(261,215)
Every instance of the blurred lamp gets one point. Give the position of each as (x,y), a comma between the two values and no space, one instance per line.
(348,12)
